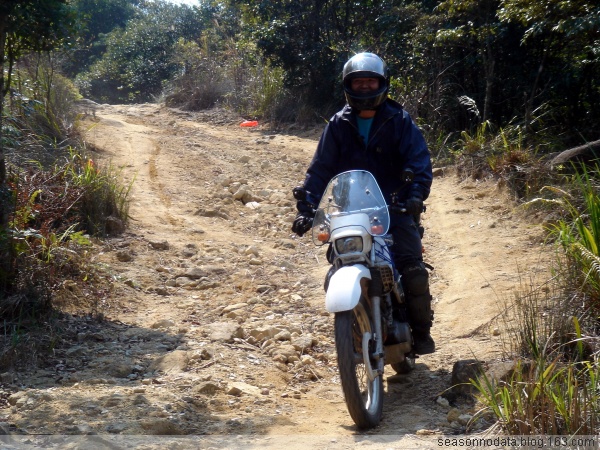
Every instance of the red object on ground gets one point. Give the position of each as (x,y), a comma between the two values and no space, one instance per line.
(249,123)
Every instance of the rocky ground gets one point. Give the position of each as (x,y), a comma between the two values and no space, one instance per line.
(216,325)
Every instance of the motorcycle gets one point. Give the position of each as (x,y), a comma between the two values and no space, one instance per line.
(364,291)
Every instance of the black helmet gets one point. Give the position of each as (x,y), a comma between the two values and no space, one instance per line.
(366,65)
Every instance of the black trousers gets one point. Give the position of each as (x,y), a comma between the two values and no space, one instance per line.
(407,253)
(407,249)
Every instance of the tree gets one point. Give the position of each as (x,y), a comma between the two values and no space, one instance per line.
(564,41)
(474,31)
(26,26)
(405,34)
(97,18)
(311,40)
(138,58)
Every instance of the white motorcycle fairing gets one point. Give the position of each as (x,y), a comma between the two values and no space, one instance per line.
(344,290)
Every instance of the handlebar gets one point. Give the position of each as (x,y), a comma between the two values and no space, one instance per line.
(397,209)
(400,208)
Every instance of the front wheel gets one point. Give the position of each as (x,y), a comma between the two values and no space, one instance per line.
(364,397)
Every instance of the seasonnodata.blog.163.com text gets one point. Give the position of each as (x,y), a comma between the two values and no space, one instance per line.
(523,442)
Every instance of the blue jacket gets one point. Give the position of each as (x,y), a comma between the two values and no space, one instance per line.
(395,143)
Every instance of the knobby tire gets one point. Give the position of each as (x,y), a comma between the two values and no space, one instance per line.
(364,399)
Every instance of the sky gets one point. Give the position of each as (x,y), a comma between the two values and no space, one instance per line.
(185,2)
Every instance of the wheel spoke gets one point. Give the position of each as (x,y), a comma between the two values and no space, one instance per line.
(362,386)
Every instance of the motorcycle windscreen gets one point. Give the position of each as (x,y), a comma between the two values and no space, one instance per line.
(355,191)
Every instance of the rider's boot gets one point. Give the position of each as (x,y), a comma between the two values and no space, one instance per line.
(423,342)
(415,280)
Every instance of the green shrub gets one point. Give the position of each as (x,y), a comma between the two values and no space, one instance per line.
(579,236)
(545,397)
(552,330)
(54,212)
(233,78)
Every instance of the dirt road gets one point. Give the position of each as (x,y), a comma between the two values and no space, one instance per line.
(217,325)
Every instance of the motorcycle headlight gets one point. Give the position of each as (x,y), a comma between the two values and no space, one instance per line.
(351,244)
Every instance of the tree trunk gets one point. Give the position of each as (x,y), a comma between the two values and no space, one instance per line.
(489,65)
(489,85)
(2,94)
(5,261)
(4,204)
(586,153)
(531,100)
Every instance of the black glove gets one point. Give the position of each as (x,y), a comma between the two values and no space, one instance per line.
(414,205)
(302,223)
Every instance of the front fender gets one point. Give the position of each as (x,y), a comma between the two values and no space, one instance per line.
(345,288)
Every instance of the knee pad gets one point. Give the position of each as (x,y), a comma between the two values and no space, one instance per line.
(415,280)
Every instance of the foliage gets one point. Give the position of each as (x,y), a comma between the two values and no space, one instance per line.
(540,322)
(96,18)
(552,387)
(310,41)
(579,234)
(552,330)
(54,213)
(504,155)
(77,192)
(561,34)
(57,198)
(27,26)
(545,398)
(231,78)
(137,61)
(455,65)
(39,118)
(205,74)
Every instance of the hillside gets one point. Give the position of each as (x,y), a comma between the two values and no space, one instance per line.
(217,323)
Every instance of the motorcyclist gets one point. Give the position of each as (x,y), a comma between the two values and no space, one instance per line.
(373,132)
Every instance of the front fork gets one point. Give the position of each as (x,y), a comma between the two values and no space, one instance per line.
(378,354)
